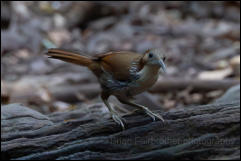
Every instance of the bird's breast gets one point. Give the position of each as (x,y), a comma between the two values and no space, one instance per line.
(147,77)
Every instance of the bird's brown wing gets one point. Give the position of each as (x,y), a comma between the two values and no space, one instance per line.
(121,65)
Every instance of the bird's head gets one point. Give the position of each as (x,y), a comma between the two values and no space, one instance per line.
(155,57)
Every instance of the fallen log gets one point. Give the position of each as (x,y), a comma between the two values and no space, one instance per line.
(197,132)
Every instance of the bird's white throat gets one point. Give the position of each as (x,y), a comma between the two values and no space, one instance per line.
(148,75)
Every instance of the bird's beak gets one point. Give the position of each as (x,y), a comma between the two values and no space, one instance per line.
(162,65)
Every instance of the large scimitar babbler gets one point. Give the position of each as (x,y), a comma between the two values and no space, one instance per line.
(123,74)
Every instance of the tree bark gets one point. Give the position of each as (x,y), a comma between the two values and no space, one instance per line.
(196,132)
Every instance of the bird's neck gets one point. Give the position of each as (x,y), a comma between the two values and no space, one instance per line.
(148,75)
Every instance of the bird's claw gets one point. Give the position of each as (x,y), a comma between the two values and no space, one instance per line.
(118,120)
(153,115)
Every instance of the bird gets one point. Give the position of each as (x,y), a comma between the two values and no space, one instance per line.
(122,74)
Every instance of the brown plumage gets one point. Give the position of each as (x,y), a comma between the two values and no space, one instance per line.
(105,61)
(122,74)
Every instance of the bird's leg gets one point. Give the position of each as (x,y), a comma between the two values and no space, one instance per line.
(131,112)
(114,114)
(121,108)
(147,111)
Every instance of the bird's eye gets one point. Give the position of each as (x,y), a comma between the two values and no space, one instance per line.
(150,55)
(164,58)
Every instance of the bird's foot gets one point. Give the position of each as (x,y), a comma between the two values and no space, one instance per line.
(118,119)
(153,115)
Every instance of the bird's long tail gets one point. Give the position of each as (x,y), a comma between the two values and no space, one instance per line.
(69,56)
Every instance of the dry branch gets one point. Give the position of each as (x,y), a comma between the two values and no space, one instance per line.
(174,84)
